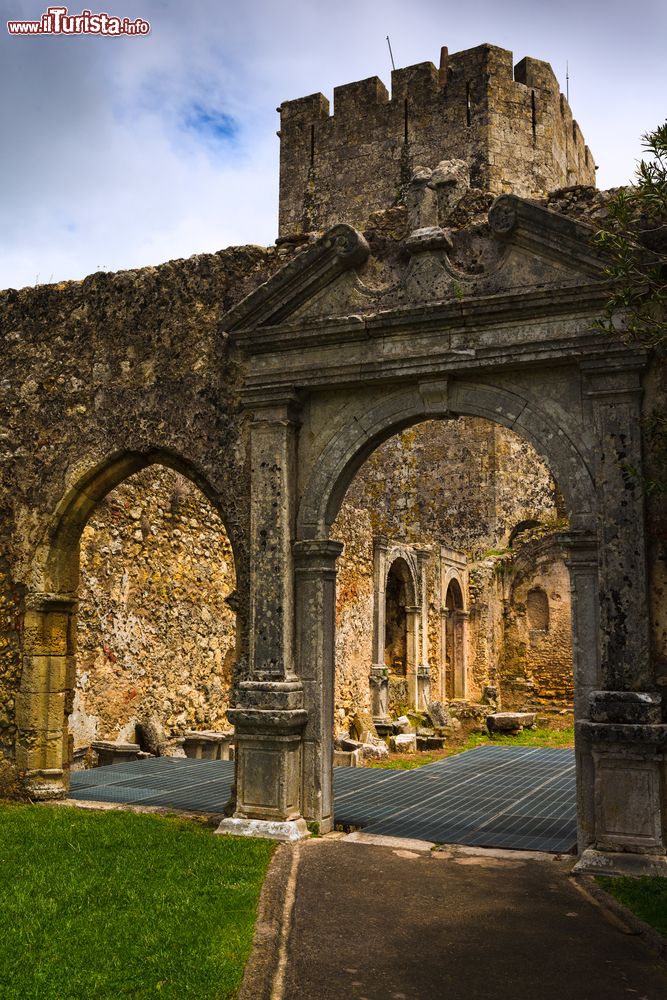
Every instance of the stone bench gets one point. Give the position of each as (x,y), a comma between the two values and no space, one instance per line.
(109,752)
(209,745)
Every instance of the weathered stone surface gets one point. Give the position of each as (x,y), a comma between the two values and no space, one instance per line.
(510,722)
(438,713)
(347,758)
(404,743)
(375,750)
(530,152)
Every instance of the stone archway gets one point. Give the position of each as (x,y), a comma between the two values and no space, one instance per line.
(331,474)
(46,693)
(455,658)
(336,367)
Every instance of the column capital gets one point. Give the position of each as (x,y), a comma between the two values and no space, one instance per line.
(313,553)
(581,548)
(279,405)
(614,377)
(45,602)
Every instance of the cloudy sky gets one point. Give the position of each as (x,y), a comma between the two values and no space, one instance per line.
(119,153)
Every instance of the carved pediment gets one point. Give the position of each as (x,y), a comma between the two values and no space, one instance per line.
(523,248)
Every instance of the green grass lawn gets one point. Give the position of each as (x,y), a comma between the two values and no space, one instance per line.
(106,905)
(526,738)
(647,897)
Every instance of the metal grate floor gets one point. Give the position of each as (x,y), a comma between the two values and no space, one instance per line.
(514,797)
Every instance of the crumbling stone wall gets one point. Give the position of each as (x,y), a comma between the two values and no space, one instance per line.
(511,125)
(156,637)
(117,364)
(454,483)
(536,663)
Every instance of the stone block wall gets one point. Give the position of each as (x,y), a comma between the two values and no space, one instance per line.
(512,126)
(156,636)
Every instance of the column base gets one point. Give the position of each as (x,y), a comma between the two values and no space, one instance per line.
(594,862)
(287,831)
(50,783)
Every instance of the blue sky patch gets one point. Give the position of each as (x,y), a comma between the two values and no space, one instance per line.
(210,124)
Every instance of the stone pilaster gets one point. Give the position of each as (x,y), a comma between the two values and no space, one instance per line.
(413,619)
(45,699)
(378,678)
(582,563)
(624,734)
(614,391)
(269,715)
(315,584)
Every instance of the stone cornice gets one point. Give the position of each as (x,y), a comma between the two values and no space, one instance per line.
(470,314)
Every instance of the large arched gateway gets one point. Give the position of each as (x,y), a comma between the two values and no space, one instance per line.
(332,373)
(271,396)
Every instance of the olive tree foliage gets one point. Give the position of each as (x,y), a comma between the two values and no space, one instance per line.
(634,241)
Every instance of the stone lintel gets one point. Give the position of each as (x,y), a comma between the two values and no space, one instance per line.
(46,602)
(288,831)
(626,707)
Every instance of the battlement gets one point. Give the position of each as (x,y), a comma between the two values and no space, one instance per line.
(511,124)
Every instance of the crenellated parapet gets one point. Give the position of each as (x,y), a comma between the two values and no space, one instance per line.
(511,124)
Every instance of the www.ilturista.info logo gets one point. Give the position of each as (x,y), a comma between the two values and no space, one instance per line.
(58,21)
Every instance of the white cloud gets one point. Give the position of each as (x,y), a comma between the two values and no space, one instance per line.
(102,166)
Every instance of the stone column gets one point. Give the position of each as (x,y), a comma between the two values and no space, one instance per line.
(315,582)
(444,649)
(582,563)
(423,672)
(413,616)
(626,731)
(614,392)
(459,653)
(378,678)
(269,715)
(46,695)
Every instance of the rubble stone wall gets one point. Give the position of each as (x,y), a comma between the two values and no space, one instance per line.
(155,634)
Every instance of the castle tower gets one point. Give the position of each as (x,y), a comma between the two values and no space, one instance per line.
(510,124)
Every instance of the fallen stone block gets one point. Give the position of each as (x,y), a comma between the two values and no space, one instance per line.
(404,743)
(207,744)
(430,742)
(347,758)
(376,750)
(509,722)
(109,752)
(402,724)
(438,714)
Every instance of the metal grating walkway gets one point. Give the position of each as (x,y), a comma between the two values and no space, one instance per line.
(514,797)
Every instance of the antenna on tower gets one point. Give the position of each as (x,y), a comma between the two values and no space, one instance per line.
(391,53)
(567,81)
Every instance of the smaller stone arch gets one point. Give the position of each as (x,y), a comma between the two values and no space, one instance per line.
(399,673)
(400,594)
(455,640)
(537,610)
(46,693)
